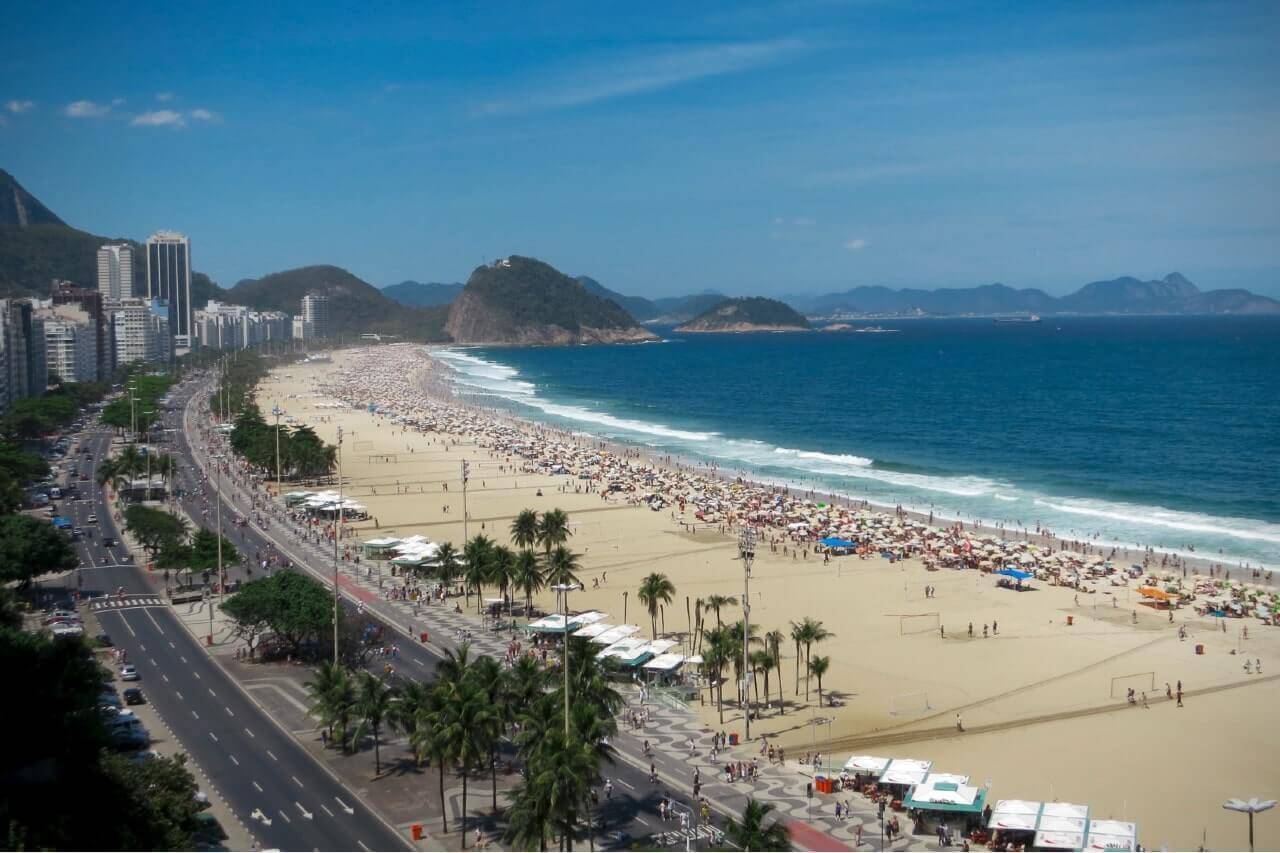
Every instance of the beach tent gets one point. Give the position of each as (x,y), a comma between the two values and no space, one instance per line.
(665,663)
(1112,835)
(1016,574)
(942,792)
(866,764)
(835,542)
(593,630)
(614,634)
(905,771)
(1049,840)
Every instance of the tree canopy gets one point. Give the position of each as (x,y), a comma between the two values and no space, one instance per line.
(289,605)
(30,548)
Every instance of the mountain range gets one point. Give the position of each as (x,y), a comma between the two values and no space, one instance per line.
(1173,294)
(417,294)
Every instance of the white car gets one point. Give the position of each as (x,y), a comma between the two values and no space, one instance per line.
(65,630)
(93,519)
(129,672)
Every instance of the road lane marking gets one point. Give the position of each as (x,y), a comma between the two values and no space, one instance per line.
(196,674)
(194,714)
(362,847)
(326,810)
(642,820)
(178,693)
(154,622)
(184,660)
(295,779)
(259,787)
(346,808)
(165,677)
(285,816)
(132,633)
(626,784)
(144,648)
(251,734)
(273,757)
(308,815)
(233,760)
(230,713)
(171,645)
(211,693)
(211,734)
(153,662)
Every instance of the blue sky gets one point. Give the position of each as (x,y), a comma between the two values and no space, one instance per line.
(750,147)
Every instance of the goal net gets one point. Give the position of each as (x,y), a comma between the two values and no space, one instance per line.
(909,703)
(1139,682)
(918,623)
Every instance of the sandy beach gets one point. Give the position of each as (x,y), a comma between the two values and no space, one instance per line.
(1042,700)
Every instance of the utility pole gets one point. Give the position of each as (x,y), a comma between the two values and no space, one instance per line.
(747,550)
(466,472)
(279,480)
(563,590)
(337,536)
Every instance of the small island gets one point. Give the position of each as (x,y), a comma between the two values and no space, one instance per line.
(748,314)
(523,301)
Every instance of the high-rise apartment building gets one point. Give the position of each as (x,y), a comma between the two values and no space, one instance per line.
(140,331)
(115,272)
(91,302)
(169,278)
(25,371)
(315,315)
(71,348)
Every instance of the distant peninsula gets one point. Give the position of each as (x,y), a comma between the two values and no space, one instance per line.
(523,301)
(748,314)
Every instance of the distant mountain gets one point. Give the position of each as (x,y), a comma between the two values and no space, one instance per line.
(747,314)
(36,247)
(423,295)
(525,301)
(1173,294)
(637,306)
(668,309)
(355,306)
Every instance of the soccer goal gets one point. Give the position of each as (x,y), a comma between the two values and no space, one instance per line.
(918,623)
(1138,682)
(905,704)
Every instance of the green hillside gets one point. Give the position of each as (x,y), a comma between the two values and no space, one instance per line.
(745,313)
(355,306)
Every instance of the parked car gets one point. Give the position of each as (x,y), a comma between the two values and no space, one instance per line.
(129,672)
(67,630)
(92,519)
(133,696)
(108,542)
(104,640)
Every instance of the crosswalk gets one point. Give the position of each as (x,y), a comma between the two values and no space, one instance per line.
(122,603)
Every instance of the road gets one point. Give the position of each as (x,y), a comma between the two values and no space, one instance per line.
(258,768)
(633,810)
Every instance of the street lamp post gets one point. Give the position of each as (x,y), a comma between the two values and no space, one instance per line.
(146,415)
(563,590)
(279,479)
(747,550)
(337,536)
(1251,806)
(216,459)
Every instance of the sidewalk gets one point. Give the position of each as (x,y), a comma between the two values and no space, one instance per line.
(812,823)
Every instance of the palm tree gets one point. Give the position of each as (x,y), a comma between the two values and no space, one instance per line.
(762,662)
(751,834)
(553,530)
(476,555)
(447,566)
(524,529)
(655,590)
(561,567)
(502,562)
(818,666)
(333,699)
(718,647)
(467,724)
(374,702)
(490,678)
(526,576)
(412,715)
(798,635)
(813,632)
(773,642)
(715,602)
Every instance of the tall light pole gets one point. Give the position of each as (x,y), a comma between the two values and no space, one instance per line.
(145,415)
(1250,807)
(747,550)
(216,460)
(337,536)
(133,414)
(466,475)
(563,590)
(279,480)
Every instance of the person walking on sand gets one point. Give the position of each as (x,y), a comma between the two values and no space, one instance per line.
(959,723)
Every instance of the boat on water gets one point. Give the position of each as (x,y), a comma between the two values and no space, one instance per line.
(1030,318)
(874,330)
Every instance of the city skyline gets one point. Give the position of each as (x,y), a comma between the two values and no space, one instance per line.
(753,148)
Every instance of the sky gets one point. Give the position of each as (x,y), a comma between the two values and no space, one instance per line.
(750,147)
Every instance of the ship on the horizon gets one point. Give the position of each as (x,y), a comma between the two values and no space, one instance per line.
(1030,318)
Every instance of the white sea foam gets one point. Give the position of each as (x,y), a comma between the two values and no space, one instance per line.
(1189,522)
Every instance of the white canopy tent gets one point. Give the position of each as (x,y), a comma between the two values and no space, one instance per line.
(866,764)
(665,663)
(905,771)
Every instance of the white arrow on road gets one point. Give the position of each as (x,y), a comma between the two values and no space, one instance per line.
(346,808)
(257,814)
(308,815)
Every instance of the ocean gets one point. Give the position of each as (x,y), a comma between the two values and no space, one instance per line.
(1151,431)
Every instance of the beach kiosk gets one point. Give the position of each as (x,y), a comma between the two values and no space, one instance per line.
(946,797)
(1112,835)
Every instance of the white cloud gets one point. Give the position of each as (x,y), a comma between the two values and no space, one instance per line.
(201,114)
(164,97)
(159,118)
(649,73)
(86,109)
(855,245)
(19,106)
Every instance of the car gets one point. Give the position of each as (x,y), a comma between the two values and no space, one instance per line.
(61,616)
(67,630)
(108,542)
(92,519)
(84,476)
(104,640)
(129,672)
(133,696)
